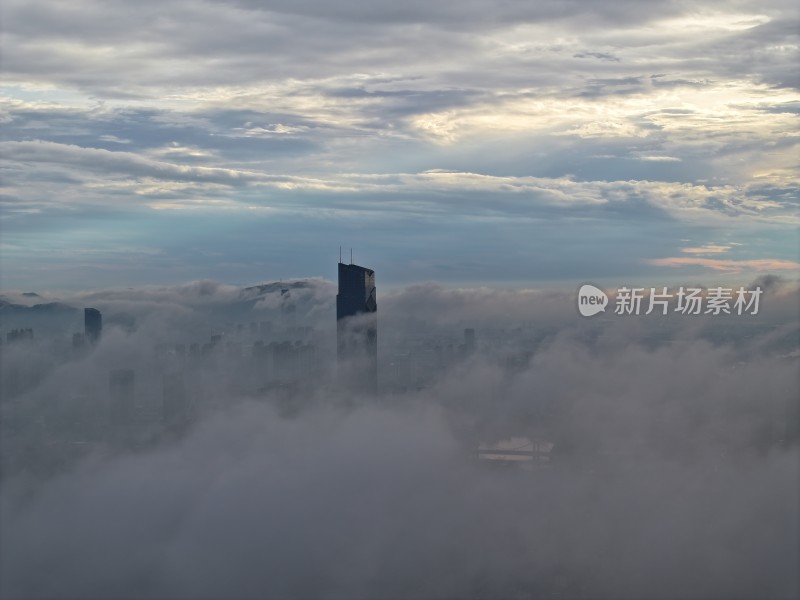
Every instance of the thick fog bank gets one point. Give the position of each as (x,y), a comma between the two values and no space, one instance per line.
(244,469)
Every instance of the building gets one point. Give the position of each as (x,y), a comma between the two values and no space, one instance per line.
(19,335)
(357,328)
(93,324)
(174,407)
(517,452)
(288,309)
(78,340)
(122,403)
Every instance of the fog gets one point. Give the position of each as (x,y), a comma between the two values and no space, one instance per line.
(233,464)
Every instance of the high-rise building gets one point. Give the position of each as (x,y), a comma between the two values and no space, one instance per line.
(288,309)
(93,324)
(18,335)
(357,328)
(122,403)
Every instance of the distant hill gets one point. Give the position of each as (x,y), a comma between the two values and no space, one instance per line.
(255,291)
(50,317)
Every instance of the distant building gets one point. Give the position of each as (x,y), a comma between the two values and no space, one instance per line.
(174,402)
(357,328)
(288,309)
(18,335)
(516,451)
(93,324)
(122,399)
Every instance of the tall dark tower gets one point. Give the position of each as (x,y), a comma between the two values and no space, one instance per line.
(357,328)
(93,324)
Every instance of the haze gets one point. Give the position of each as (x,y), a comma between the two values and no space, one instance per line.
(193,170)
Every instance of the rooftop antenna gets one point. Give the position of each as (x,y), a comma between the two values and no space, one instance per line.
(351,256)
(340,254)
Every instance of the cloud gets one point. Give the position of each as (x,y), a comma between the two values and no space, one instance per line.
(427,192)
(730,266)
(104,161)
(708,249)
(660,158)
(309,494)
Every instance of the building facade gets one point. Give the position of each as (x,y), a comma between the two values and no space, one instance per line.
(357,328)
(93,324)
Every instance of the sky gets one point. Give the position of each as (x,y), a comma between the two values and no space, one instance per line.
(512,143)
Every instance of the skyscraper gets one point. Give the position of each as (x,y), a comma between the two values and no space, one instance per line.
(122,404)
(93,324)
(357,328)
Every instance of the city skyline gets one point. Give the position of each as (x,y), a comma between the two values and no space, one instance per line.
(510,438)
(582,219)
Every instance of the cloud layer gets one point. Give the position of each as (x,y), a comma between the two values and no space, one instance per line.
(674,473)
